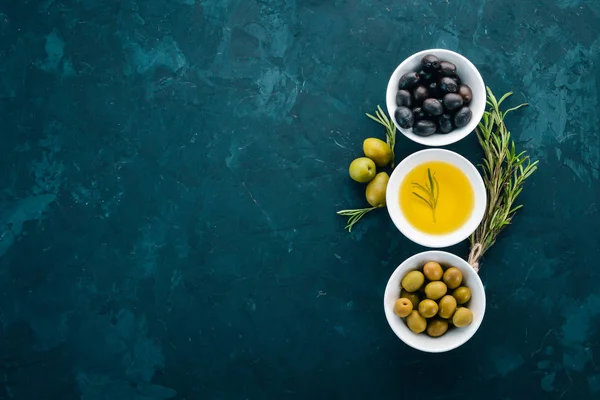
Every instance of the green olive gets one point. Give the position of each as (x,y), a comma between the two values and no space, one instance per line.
(413,281)
(447,306)
(415,322)
(375,192)
(462,317)
(433,271)
(428,308)
(413,297)
(403,307)
(437,327)
(378,151)
(452,277)
(362,170)
(462,294)
(435,290)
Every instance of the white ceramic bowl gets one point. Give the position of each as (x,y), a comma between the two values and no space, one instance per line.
(422,238)
(468,74)
(454,337)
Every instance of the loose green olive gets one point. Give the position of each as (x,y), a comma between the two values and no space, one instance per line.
(462,317)
(428,308)
(447,306)
(435,290)
(415,322)
(403,307)
(452,277)
(433,271)
(462,294)
(375,192)
(413,297)
(437,327)
(413,281)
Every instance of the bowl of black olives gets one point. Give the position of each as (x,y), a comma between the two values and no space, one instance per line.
(436,97)
(434,301)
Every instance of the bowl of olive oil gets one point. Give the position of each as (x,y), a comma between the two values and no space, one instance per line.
(436,198)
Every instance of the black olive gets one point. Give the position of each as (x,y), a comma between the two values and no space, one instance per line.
(458,80)
(445,123)
(466,93)
(462,117)
(448,85)
(433,107)
(403,98)
(408,80)
(447,68)
(433,89)
(430,63)
(452,101)
(420,94)
(424,128)
(418,113)
(404,117)
(425,77)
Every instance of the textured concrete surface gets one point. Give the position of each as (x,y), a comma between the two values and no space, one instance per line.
(169,176)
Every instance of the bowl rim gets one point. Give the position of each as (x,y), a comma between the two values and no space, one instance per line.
(436,140)
(476,284)
(422,238)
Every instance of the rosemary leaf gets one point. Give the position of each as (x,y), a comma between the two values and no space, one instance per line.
(430,182)
(424,199)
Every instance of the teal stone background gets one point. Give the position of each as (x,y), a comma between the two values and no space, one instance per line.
(170,172)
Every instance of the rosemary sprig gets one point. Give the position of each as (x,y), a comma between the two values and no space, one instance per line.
(430,190)
(504,173)
(355,215)
(390,129)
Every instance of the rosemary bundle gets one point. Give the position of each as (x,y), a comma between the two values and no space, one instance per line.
(504,173)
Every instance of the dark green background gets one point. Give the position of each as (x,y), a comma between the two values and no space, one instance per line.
(170,172)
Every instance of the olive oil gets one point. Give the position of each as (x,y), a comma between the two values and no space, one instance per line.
(436,198)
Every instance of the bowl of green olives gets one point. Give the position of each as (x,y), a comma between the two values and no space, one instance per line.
(436,97)
(434,301)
